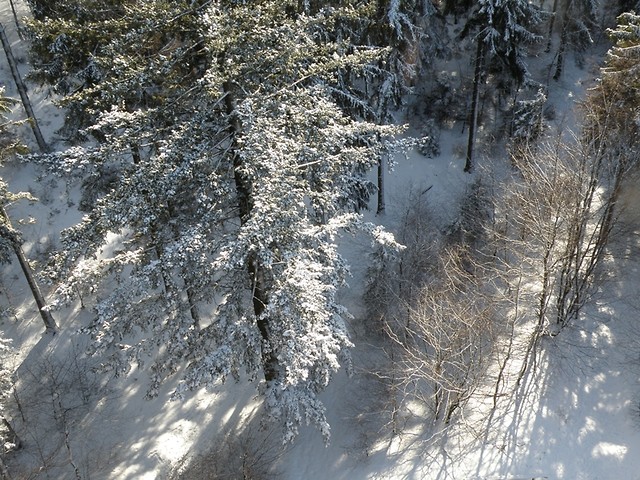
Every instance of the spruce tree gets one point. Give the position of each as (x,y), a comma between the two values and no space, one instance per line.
(611,106)
(578,21)
(503,29)
(234,169)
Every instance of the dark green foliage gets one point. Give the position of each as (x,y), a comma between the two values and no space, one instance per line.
(528,124)
(611,107)
(506,28)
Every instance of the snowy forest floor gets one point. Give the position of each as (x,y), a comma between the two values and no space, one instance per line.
(575,416)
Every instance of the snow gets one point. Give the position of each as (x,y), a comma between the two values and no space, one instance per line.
(579,419)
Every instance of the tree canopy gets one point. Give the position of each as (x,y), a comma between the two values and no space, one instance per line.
(234,157)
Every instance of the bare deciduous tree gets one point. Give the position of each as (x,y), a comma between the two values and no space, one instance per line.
(447,339)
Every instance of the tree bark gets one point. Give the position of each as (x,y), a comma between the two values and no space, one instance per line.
(564,37)
(475,100)
(381,204)
(256,276)
(22,90)
(15,18)
(193,306)
(159,247)
(47,318)
(554,12)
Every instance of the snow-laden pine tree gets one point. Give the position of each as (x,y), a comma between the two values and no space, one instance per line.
(578,20)
(409,36)
(7,145)
(411,31)
(412,34)
(233,169)
(503,29)
(612,105)
(507,28)
(5,373)
(6,385)
(527,125)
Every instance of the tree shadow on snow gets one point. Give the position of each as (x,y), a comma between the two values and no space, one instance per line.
(576,412)
(75,423)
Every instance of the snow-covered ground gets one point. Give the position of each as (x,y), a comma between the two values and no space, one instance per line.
(577,416)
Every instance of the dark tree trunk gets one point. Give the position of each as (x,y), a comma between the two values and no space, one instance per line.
(11,436)
(564,38)
(554,13)
(381,204)
(193,307)
(191,298)
(256,275)
(473,121)
(135,155)
(22,90)
(15,18)
(47,318)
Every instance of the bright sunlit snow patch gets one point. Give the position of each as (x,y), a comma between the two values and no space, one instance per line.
(609,450)
(172,445)
(589,427)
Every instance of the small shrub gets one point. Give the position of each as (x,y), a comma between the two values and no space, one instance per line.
(429,143)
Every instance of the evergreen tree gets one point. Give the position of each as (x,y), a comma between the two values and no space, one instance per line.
(578,21)
(612,106)
(527,125)
(6,385)
(234,170)
(504,28)
(411,31)
(456,7)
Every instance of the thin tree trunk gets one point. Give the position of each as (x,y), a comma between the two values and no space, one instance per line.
(473,121)
(47,318)
(15,18)
(22,90)
(193,307)
(191,299)
(135,154)
(13,436)
(554,12)
(381,204)
(564,37)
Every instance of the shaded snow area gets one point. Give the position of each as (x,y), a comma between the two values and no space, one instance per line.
(574,416)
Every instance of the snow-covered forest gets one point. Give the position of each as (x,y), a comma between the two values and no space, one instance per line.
(390,239)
